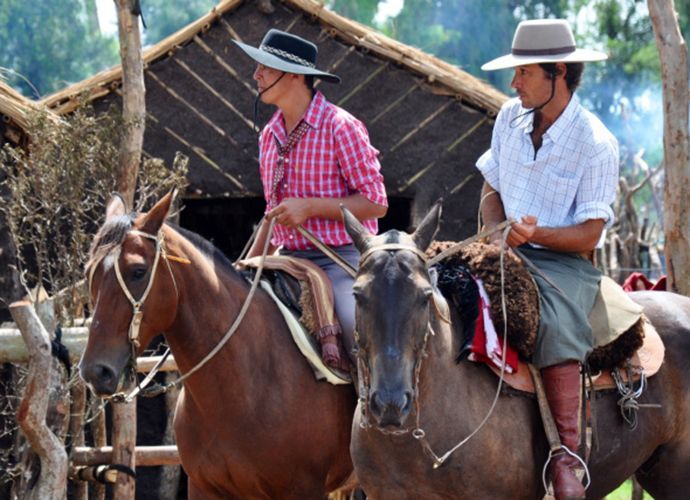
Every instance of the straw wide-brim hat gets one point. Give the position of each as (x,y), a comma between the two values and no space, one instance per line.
(543,41)
(289,53)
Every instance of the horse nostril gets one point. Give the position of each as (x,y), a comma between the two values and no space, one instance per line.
(375,404)
(104,374)
(408,403)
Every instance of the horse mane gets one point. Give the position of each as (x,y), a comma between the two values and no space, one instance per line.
(207,248)
(113,233)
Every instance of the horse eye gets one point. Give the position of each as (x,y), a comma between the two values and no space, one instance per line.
(138,273)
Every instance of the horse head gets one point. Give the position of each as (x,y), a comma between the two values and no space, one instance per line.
(132,292)
(394,303)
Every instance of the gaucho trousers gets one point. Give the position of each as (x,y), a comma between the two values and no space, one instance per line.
(342,285)
(564,332)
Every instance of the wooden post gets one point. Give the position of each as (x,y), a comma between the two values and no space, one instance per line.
(31,415)
(170,474)
(76,431)
(673,54)
(133,98)
(99,439)
(124,435)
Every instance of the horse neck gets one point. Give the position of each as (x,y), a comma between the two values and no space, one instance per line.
(440,372)
(210,299)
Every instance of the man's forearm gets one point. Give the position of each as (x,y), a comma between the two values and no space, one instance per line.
(358,205)
(491,206)
(578,238)
(257,247)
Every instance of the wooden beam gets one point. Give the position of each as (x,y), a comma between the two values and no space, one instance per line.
(13,349)
(145,456)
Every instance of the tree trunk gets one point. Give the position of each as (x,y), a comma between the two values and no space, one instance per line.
(134,115)
(33,409)
(673,54)
(133,103)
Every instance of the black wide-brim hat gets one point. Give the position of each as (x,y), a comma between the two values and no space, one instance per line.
(289,53)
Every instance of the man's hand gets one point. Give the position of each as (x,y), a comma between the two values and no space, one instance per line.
(522,232)
(291,212)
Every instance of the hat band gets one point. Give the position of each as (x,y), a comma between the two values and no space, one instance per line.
(287,55)
(543,52)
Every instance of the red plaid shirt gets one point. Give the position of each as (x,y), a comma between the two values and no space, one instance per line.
(334,159)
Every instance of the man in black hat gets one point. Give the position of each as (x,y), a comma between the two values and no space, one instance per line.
(553,168)
(314,157)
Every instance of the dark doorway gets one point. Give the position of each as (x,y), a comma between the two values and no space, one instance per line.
(229,222)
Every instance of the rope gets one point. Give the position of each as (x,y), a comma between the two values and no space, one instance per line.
(238,319)
(459,246)
(628,402)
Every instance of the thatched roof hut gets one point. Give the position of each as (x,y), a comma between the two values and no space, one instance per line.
(429,119)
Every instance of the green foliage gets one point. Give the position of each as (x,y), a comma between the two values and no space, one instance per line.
(164,17)
(57,190)
(359,10)
(51,43)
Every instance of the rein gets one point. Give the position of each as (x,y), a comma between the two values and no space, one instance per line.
(364,385)
(137,314)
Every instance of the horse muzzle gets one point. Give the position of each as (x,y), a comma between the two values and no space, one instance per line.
(390,408)
(103,379)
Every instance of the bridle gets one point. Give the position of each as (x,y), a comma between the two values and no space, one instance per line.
(137,312)
(364,384)
(362,367)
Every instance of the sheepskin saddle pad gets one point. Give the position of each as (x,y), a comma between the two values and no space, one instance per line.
(480,261)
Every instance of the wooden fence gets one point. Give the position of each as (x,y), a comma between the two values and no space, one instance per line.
(30,343)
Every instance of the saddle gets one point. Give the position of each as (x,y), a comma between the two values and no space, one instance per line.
(621,333)
(306,292)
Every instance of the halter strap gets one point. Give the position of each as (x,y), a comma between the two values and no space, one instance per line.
(157,239)
(392,246)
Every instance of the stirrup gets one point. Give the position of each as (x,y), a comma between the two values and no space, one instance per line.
(563,449)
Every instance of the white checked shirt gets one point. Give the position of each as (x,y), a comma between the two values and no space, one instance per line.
(571,179)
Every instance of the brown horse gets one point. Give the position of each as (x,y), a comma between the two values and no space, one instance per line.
(416,402)
(251,423)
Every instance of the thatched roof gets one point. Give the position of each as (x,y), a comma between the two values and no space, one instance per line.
(14,110)
(429,119)
(456,82)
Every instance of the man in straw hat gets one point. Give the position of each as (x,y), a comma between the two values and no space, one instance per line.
(314,157)
(553,168)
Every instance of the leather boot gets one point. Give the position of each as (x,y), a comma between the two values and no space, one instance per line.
(562,387)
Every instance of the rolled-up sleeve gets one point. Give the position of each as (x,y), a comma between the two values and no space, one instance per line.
(597,190)
(358,161)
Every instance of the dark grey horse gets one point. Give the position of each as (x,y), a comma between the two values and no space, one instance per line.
(417,402)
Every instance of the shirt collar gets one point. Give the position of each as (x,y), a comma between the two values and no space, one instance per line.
(565,121)
(313,116)
(562,123)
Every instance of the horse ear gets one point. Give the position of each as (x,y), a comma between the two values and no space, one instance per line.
(116,206)
(154,218)
(424,234)
(359,234)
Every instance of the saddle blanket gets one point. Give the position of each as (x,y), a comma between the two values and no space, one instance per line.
(649,358)
(304,343)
